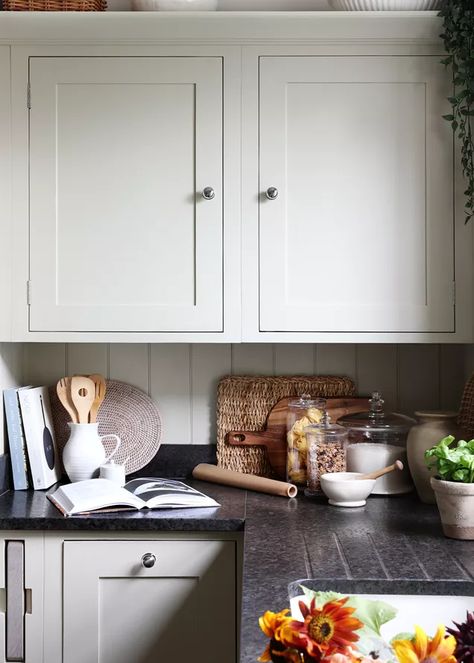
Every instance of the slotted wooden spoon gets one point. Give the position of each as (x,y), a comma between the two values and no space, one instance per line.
(100,388)
(63,390)
(83,396)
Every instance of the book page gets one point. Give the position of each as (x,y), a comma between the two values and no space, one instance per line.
(168,493)
(93,494)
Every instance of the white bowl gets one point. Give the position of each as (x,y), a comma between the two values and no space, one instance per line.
(384,5)
(345,489)
(174,5)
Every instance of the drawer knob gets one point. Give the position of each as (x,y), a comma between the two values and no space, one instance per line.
(271,193)
(208,193)
(148,560)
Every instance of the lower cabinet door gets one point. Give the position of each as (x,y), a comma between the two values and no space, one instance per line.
(149,602)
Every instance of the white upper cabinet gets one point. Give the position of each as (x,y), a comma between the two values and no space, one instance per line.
(122,237)
(121,122)
(360,235)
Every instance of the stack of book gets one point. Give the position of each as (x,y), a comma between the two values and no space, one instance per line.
(32,444)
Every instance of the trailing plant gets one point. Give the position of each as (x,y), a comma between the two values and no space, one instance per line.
(458,37)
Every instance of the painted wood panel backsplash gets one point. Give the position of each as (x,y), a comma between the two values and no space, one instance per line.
(182,378)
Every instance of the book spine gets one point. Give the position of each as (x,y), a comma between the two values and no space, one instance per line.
(16,440)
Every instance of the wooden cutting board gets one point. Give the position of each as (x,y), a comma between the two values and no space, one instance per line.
(273,438)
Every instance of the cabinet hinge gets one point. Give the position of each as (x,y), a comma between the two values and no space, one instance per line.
(28,96)
(28,293)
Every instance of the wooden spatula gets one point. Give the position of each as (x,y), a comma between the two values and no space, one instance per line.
(100,388)
(274,435)
(63,390)
(82,396)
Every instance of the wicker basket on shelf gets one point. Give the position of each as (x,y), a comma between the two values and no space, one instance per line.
(243,403)
(466,412)
(55,5)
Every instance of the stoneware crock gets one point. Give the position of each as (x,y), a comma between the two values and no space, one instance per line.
(432,426)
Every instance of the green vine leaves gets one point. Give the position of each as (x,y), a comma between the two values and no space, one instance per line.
(458,37)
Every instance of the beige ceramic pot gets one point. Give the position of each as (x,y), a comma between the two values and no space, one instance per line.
(432,426)
(456,508)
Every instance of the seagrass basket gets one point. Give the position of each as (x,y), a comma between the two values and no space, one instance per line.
(466,412)
(244,402)
(55,5)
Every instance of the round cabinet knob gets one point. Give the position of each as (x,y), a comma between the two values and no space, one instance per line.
(208,193)
(148,560)
(271,193)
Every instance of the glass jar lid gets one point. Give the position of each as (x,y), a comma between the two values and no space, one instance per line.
(326,428)
(305,401)
(376,419)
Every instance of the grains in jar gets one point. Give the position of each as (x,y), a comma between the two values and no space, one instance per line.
(326,452)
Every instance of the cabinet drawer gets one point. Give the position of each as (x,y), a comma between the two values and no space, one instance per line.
(131,612)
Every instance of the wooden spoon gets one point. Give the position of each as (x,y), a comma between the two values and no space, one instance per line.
(63,390)
(82,395)
(100,388)
(397,465)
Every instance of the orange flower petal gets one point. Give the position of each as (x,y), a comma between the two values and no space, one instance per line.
(420,643)
(266,656)
(438,638)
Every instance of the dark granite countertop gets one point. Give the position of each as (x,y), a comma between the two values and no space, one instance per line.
(32,510)
(393,545)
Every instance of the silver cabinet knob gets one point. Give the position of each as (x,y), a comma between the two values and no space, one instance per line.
(148,560)
(208,193)
(271,193)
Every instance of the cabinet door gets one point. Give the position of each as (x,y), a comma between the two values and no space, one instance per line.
(360,236)
(21,597)
(117,611)
(121,238)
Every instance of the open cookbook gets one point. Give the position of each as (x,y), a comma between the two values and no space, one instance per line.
(147,493)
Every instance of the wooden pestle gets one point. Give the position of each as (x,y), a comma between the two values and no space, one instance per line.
(397,465)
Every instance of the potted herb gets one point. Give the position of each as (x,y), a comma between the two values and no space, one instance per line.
(454,485)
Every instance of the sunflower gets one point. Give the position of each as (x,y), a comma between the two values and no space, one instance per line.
(325,631)
(276,626)
(423,649)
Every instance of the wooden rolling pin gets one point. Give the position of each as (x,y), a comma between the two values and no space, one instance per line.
(214,474)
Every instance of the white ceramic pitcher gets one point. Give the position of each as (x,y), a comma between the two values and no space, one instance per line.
(84,452)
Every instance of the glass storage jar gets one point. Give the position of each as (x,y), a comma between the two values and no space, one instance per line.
(327,444)
(377,439)
(301,412)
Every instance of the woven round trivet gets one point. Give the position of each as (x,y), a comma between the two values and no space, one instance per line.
(127,412)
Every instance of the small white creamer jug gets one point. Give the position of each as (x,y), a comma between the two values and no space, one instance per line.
(84,453)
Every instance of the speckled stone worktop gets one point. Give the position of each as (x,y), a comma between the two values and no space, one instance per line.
(393,545)
(27,509)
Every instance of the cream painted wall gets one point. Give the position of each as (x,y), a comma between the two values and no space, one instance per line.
(182,378)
